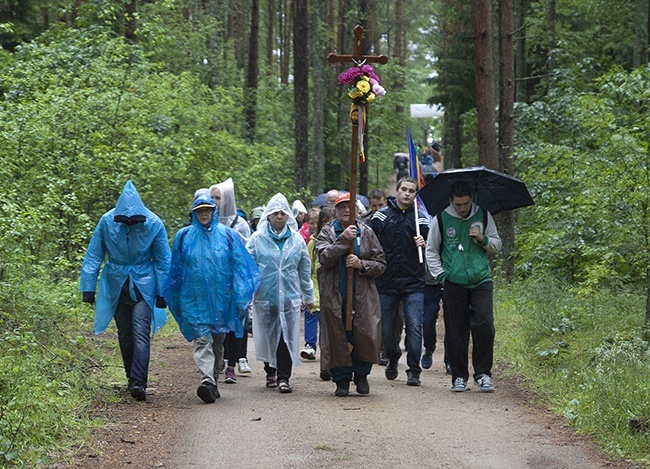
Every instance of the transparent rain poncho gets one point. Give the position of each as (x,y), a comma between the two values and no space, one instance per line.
(212,278)
(286,283)
(134,241)
(228,209)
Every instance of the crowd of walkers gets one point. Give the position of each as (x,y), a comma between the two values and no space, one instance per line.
(357,284)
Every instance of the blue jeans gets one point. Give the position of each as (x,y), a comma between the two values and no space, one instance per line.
(311,328)
(133,333)
(412,305)
(432,296)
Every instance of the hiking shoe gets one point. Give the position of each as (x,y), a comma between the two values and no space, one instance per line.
(230,376)
(342,388)
(427,359)
(208,392)
(325,375)
(284,388)
(413,378)
(484,383)
(308,353)
(391,369)
(362,384)
(460,385)
(138,393)
(243,366)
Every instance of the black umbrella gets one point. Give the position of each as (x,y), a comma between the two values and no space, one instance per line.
(494,191)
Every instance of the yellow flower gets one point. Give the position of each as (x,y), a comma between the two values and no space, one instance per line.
(363,86)
(371,97)
(355,94)
(365,77)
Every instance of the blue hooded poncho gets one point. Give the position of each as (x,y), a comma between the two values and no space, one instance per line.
(212,278)
(135,241)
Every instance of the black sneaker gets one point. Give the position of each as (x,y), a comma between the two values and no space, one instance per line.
(485,383)
(448,369)
(383,361)
(413,378)
(342,388)
(208,392)
(391,369)
(138,393)
(362,384)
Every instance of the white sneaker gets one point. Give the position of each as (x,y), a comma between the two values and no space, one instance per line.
(308,353)
(225,365)
(243,366)
(485,383)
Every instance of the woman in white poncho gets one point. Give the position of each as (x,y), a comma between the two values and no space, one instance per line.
(282,257)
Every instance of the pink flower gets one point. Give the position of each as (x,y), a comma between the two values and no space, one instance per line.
(378,90)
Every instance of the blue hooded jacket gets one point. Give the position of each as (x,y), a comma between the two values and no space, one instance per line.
(212,278)
(135,241)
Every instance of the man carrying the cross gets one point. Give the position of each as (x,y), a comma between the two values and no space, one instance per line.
(404,280)
(349,354)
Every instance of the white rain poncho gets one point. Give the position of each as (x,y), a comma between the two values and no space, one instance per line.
(135,241)
(228,209)
(286,284)
(212,278)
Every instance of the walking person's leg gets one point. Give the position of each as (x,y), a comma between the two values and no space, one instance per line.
(482,328)
(285,365)
(141,330)
(311,335)
(456,304)
(204,357)
(413,305)
(431,309)
(389,308)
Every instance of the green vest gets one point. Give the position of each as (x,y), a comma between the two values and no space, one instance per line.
(465,261)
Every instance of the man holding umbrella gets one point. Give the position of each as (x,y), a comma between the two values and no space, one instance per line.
(459,241)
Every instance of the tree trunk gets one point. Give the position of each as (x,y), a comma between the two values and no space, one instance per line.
(550,17)
(319,50)
(343,120)
(505,220)
(398,51)
(520,50)
(252,75)
(215,11)
(286,41)
(301,92)
(484,72)
(270,39)
(640,56)
(131,23)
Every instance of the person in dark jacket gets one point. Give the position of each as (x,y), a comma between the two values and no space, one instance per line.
(403,282)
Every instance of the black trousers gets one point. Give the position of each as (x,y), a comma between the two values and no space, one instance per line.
(469,310)
(284,363)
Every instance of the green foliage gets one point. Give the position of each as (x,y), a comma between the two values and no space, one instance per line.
(585,158)
(88,111)
(50,371)
(582,354)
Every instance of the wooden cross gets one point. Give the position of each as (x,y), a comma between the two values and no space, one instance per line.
(358,59)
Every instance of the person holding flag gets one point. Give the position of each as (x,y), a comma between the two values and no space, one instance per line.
(402,231)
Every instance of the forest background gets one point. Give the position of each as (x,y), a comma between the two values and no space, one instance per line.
(180,94)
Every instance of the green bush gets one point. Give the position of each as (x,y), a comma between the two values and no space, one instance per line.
(582,354)
(52,371)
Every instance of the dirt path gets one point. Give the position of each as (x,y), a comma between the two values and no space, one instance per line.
(395,426)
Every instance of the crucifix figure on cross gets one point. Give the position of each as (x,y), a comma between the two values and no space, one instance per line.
(366,87)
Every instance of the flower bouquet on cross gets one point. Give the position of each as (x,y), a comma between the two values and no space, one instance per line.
(364,84)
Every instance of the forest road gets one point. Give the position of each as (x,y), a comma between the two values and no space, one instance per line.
(396,425)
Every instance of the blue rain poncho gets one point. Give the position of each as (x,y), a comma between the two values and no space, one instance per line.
(135,241)
(286,283)
(212,278)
